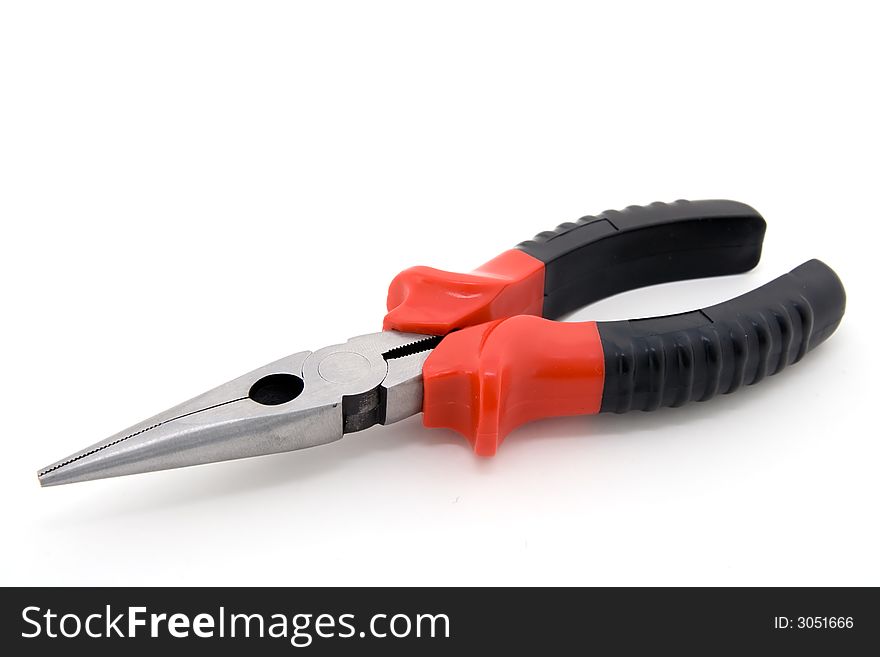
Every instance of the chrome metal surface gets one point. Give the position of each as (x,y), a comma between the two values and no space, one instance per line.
(369,379)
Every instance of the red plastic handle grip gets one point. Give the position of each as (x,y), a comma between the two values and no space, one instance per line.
(486,380)
(428,300)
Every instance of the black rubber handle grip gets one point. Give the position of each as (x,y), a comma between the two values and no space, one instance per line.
(668,361)
(596,257)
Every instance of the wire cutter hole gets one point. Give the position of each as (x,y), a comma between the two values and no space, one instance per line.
(276,389)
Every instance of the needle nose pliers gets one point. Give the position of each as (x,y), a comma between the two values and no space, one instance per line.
(479,352)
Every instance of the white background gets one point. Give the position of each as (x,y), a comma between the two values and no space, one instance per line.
(190,190)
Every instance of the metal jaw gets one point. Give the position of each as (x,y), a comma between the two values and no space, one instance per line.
(307,399)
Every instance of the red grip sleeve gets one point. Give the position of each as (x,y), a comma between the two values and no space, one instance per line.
(427,300)
(486,380)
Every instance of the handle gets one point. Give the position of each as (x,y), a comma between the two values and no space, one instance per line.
(486,380)
(668,361)
(597,257)
(582,262)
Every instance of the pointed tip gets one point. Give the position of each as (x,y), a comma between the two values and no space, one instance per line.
(79,466)
(44,475)
(55,475)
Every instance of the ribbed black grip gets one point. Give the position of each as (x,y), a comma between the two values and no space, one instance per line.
(596,257)
(668,361)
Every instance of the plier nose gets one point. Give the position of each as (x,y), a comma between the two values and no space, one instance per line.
(303,400)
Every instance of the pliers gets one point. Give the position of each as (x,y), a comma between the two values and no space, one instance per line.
(479,352)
